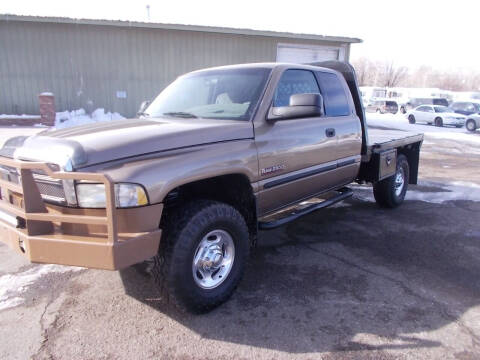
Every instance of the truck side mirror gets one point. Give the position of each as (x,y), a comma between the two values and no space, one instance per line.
(300,106)
(143,107)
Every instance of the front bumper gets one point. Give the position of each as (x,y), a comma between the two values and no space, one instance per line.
(95,238)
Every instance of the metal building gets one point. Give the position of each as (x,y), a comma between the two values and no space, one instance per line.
(118,64)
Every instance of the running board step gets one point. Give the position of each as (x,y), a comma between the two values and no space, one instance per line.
(292,213)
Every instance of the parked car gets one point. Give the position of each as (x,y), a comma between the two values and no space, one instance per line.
(473,122)
(383,106)
(415,102)
(437,115)
(466,107)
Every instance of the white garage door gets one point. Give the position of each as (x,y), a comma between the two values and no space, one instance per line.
(302,54)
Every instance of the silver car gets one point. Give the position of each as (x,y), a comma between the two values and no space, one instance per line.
(438,115)
(473,122)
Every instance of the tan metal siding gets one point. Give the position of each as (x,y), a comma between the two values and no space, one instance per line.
(81,63)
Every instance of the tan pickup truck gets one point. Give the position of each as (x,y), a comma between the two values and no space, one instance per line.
(218,155)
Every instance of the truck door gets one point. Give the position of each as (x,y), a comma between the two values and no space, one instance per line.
(339,107)
(297,157)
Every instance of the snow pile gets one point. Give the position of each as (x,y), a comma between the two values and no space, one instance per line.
(78,117)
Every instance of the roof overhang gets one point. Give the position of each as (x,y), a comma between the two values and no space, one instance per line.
(180,27)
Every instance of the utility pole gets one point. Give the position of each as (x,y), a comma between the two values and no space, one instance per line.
(148,11)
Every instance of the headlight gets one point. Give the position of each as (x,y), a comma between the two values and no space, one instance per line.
(126,195)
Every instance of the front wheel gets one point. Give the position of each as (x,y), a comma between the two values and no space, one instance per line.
(202,256)
(471,125)
(411,119)
(438,122)
(391,191)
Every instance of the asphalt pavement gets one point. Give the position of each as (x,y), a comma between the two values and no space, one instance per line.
(350,282)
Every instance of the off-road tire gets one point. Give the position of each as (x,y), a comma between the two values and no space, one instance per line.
(384,190)
(471,125)
(182,232)
(438,122)
(411,119)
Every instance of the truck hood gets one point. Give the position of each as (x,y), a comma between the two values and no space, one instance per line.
(106,141)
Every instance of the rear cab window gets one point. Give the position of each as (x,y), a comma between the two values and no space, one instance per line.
(334,97)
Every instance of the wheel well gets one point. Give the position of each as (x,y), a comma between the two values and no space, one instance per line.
(234,189)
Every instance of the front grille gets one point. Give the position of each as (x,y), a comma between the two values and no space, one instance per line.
(9,174)
(50,189)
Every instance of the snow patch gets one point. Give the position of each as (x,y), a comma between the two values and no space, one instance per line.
(400,122)
(471,138)
(14,117)
(12,286)
(457,190)
(78,117)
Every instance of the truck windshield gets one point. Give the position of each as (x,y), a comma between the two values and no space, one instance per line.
(215,94)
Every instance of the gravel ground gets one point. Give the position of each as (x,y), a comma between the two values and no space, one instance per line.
(351,282)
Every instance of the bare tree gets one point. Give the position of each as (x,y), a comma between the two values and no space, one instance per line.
(391,75)
(375,73)
(365,71)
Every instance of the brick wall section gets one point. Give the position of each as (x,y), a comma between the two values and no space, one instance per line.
(47,108)
(20,122)
(47,114)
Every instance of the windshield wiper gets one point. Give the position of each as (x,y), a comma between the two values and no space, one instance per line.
(181,114)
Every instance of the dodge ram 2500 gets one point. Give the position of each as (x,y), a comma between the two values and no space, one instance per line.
(218,155)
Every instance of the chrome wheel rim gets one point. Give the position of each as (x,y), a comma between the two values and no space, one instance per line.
(470,125)
(399,181)
(213,259)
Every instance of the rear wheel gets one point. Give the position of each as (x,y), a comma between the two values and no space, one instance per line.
(438,122)
(202,255)
(471,125)
(391,191)
(403,110)
(411,119)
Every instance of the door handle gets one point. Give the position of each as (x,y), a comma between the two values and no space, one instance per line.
(330,132)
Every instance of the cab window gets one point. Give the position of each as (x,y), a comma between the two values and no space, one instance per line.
(334,97)
(294,82)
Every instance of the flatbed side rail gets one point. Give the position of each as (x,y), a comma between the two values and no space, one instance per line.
(33,210)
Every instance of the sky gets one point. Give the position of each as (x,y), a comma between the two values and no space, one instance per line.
(440,34)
